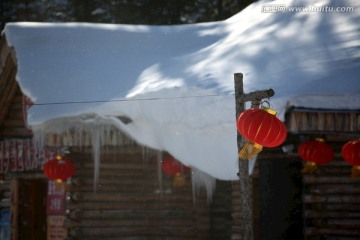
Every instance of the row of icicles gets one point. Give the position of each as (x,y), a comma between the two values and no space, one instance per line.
(261,128)
(60,169)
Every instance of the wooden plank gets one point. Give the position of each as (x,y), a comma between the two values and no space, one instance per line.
(13,123)
(118,174)
(130,223)
(129,205)
(10,87)
(338,199)
(134,198)
(332,214)
(129,213)
(15,133)
(343,223)
(332,231)
(149,188)
(342,207)
(109,181)
(125,163)
(326,189)
(140,238)
(139,231)
(14,209)
(310,179)
(307,120)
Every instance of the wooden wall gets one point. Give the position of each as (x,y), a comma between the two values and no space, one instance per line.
(332,200)
(5,194)
(13,103)
(323,121)
(221,211)
(331,197)
(134,201)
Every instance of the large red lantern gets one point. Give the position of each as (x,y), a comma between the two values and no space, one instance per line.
(315,152)
(262,128)
(351,154)
(59,169)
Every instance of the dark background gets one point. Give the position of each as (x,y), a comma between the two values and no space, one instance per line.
(149,12)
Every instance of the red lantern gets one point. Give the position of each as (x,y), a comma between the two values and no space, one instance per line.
(351,154)
(315,152)
(173,167)
(262,128)
(59,169)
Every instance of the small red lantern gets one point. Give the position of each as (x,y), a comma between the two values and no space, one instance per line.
(315,152)
(351,154)
(262,128)
(174,168)
(59,169)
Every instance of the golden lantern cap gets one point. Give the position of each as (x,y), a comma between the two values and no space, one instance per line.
(269,110)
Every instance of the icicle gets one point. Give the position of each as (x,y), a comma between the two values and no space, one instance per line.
(80,134)
(145,156)
(38,144)
(103,137)
(96,146)
(201,179)
(160,180)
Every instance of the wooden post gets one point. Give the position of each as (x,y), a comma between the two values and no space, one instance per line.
(246,199)
(14,188)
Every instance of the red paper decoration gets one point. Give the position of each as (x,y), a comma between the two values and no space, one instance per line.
(261,126)
(315,152)
(59,169)
(173,167)
(351,154)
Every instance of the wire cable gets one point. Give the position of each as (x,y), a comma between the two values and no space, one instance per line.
(129,100)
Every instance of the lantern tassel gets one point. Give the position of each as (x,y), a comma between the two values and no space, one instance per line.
(179,180)
(355,171)
(59,185)
(250,150)
(309,167)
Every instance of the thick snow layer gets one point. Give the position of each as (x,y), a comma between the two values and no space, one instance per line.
(176,82)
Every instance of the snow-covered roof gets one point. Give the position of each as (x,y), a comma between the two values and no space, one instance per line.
(176,83)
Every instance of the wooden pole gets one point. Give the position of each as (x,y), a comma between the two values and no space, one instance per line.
(246,199)
(14,209)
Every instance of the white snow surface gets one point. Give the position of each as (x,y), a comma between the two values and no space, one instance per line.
(176,83)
